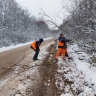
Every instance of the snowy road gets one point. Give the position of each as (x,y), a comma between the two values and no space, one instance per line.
(14,56)
(26,77)
(45,77)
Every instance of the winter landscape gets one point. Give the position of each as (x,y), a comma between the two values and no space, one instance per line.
(20,75)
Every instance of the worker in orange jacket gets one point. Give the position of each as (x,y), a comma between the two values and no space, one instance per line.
(62,47)
(35,46)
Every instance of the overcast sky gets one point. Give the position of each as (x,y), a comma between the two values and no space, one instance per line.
(51,7)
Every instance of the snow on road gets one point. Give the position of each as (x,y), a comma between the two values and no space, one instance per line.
(25,77)
(18,45)
(75,77)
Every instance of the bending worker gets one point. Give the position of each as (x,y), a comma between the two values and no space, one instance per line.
(35,46)
(62,47)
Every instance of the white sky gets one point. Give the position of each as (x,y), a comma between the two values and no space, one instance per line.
(50,7)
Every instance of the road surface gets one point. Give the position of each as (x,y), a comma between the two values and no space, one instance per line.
(14,56)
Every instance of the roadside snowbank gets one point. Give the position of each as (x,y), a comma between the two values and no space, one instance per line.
(83,66)
(76,77)
(18,45)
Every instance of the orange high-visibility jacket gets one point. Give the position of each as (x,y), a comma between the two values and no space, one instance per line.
(34,45)
(60,43)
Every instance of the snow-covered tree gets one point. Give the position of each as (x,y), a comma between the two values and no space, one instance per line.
(82,22)
(18,26)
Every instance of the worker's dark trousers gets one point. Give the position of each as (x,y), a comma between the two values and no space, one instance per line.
(36,55)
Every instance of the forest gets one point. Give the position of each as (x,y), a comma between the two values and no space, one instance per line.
(81,24)
(18,26)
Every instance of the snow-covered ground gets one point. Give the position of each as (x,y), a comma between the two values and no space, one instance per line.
(25,77)
(76,77)
(18,45)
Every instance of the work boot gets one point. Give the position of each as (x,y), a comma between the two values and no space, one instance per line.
(34,59)
(63,59)
(37,59)
(66,54)
(56,60)
(70,58)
